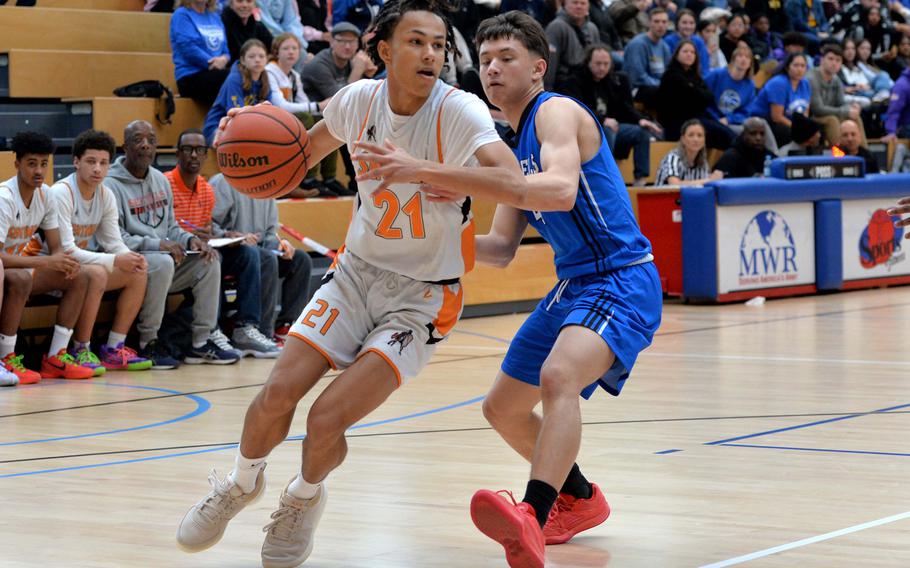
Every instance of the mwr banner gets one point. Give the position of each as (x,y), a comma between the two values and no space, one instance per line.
(873,247)
(765,246)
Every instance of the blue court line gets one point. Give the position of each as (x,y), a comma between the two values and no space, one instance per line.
(231,446)
(202,406)
(832,450)
(800,426)
(665,452)
(484,335)
(808,541)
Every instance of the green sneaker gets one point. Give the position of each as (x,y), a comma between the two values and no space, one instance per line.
(85,358)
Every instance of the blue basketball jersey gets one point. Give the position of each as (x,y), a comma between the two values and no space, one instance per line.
(600,233)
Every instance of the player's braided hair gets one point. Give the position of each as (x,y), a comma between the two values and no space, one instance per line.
(383,25)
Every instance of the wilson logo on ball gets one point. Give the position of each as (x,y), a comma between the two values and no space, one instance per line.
(235,160)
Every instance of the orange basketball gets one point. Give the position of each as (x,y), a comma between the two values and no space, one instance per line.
(264,152)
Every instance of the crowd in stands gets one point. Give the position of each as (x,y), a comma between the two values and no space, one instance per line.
(754,79)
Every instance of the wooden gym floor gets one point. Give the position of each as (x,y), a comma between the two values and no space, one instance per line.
(769,436)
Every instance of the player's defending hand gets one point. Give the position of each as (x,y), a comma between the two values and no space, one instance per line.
(222,124)
(903,207)
(388,164)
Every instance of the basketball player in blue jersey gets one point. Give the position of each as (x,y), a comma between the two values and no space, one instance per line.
(589,330)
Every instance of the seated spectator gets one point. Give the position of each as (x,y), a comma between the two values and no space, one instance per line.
(199,50)
(148,225)
(733,89)
(343,63)
(784,95)
(900,62)
(683,95)
(314,16)
(880,33)
(707,31)
(748,154)
(608,94)
(541,10)
(806,138)
(280,16)
(897,125)
(685,29)
(773,10)
(90,233)
(646,58)
(828,105)
(240,25)
(569,34)
(630,18)
(766,44)
(247,85)
(194,201)
(851,144)
(288,93)
(795,42)
(687,164)
(24,208)
(357,12)
(734,35)
(808,18)
(862,84)
(285,270)
(609,36)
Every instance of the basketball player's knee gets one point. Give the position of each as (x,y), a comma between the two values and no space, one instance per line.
(496,411)
(324,425)
(279,398)
(17,283)
(556,380)
(96,276)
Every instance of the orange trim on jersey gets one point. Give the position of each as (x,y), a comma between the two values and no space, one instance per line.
(337,256)
(72,195)
(363,124)
(439,125)
(447,316)
(467,246)
(387,360)
(316,347)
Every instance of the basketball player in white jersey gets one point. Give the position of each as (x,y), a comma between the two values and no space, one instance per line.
(89,230)
(393,292)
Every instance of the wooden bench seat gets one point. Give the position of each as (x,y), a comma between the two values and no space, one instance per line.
(42,73)
(90,30)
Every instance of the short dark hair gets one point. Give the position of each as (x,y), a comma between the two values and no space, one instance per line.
(518,26)
(94,140)
(656,11)
(31,143)
(833,48)
(386,20)
(795,38)
(189,131)
(702,24)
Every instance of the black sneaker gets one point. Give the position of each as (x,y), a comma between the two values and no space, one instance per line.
(210,354)
(160,356)
(324,191)
(336,186)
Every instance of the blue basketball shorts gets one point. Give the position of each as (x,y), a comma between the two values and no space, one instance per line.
(623,307)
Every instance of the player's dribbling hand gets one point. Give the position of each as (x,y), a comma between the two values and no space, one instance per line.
(902,208)
(389,164)
(222,124)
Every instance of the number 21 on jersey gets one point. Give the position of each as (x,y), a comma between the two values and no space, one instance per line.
(413,210)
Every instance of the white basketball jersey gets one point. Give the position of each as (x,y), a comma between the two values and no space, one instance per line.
(399,230)
(19,223)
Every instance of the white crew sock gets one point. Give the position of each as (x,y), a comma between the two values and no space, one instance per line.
(246,471)
(7,345)
(301,489)
(114,339)
(60,340)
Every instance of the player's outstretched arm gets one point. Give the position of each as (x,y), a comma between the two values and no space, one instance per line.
(499,245)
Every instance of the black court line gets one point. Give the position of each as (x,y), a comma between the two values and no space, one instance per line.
(207,391)
(459,430)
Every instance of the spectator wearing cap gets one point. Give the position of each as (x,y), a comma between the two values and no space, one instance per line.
(343,63)
(357,12)
(851,144)
(806,135)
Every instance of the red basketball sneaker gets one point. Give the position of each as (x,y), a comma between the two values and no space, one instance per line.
(569,516)
(511,524)
(63,366)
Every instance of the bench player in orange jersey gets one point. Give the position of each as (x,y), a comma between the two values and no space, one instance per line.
(393,292)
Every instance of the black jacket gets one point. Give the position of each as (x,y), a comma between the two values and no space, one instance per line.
(238,33)
(740,161)
(611,97)
(682,95)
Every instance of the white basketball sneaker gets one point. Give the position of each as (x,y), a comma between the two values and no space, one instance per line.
(289,537)
(204,524)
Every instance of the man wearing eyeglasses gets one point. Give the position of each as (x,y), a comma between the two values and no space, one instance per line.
(194,201)
(177,259)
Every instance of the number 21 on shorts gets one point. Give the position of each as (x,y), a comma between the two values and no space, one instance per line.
(317,313)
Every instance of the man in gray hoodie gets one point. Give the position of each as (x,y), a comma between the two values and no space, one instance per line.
(177,260)
(237,215)
(569,34)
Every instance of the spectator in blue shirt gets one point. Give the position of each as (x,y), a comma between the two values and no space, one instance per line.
(733,89)
(808,18)
(199,50)
(647,56)
(784,95)
(358,12)
(685,29)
